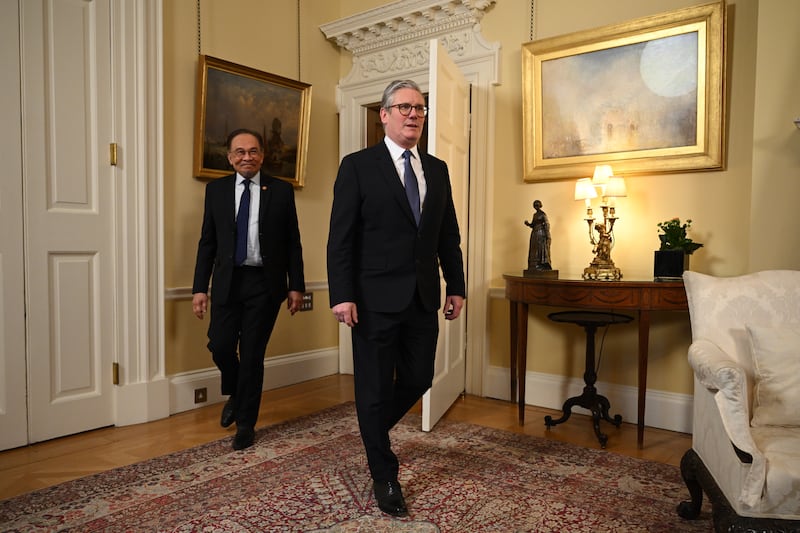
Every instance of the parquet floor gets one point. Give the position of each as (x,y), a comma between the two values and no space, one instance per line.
(52,462)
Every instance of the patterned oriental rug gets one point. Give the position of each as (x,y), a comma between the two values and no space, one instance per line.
(310,475)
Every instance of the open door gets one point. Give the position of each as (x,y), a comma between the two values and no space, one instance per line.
(448,139)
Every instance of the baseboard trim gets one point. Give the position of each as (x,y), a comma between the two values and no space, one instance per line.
(664,410)
(279,372)
(136,403)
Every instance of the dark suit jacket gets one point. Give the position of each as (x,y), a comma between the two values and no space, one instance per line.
(377,256)
(278,234)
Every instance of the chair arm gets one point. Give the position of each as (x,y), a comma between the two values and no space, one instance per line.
(714,368)
(728,380)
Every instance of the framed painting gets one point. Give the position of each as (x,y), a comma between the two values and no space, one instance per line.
(232,96)
(645,96)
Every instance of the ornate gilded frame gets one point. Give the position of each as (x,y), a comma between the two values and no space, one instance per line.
(601,96)
(233,96)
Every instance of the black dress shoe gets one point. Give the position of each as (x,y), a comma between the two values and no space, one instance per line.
(228,413)
(244,438)
(390,498)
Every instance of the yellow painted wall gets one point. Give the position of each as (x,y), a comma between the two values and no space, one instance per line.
(650,199)
(261,35)
(742,213)
(776,142)
(742,232)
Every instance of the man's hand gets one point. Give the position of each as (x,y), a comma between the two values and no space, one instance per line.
(346,313)
(452,307)
(199,304)
(294,301)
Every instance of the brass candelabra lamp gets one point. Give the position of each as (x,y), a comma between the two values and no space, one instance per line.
(601,233)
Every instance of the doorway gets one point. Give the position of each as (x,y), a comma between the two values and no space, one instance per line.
(357,95)
(374,127)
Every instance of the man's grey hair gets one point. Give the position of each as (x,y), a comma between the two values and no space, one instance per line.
(393,87)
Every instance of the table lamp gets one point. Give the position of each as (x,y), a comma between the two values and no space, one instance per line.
(601,234)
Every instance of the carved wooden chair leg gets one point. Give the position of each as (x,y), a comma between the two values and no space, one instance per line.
(690,510)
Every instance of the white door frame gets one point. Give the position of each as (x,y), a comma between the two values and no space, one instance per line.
(401,51)
(138,93)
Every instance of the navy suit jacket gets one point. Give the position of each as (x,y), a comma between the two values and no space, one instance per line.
(377,256)
(278,234)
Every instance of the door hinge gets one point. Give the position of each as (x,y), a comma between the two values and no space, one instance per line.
(112,154)
(115,373)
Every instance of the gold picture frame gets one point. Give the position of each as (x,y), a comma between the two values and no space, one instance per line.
(645,96)
(233,96)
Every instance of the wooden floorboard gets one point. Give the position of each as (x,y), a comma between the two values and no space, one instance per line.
(56,461)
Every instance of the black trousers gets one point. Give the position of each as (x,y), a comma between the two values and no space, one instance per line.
(393,365)
(244,322)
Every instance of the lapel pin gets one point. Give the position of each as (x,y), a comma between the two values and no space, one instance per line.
(263,187)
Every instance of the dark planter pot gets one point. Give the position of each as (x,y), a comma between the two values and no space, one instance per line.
(669,264)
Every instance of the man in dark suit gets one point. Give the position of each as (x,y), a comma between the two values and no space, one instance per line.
(391,229)
(250,240)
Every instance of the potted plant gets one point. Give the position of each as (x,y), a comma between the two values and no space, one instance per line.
(672,258)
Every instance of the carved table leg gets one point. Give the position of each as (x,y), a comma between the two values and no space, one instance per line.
(566,410)
(589,399)
(605,406)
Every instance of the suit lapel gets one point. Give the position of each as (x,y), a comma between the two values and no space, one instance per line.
(230,200)
(433,185)
(265,191)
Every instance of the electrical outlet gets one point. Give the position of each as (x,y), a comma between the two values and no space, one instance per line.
(200,395)
(308,302)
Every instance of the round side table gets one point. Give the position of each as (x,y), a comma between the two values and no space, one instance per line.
(596,403)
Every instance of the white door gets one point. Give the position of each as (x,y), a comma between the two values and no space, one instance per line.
(13,409)
(448,139)
(69,221)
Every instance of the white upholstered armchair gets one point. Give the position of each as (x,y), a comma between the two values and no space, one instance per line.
(745,354)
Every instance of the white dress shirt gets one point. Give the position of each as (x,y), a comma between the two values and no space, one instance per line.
(253,246)
(396,152)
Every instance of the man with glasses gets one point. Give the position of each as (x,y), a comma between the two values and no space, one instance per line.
(250,240)
(393,225)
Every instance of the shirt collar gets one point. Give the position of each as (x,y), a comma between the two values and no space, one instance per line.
(396,150)
(255,179)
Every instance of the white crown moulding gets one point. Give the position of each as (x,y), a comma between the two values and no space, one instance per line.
(402,21)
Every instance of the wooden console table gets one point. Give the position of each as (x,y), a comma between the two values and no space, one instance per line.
(640,296)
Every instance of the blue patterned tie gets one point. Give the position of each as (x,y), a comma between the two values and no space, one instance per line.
(242,221)
(412,187)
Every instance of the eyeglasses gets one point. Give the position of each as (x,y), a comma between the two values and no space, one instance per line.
(405,109)
(240,153)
